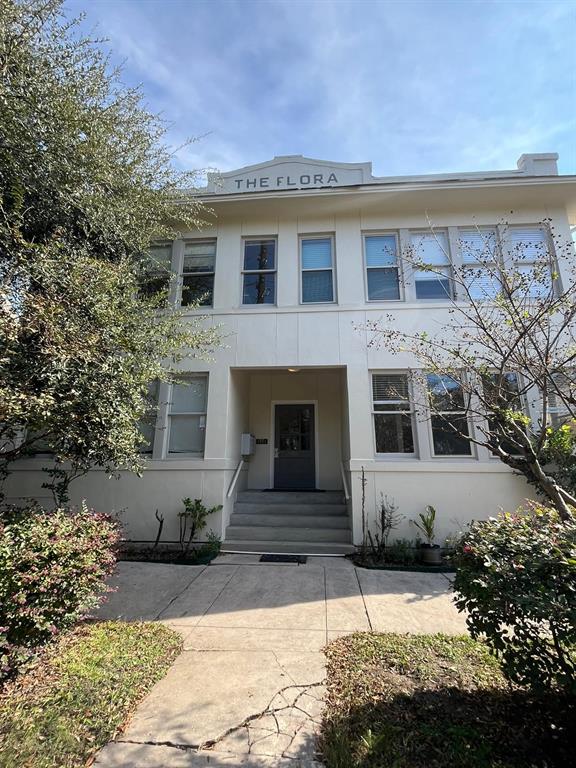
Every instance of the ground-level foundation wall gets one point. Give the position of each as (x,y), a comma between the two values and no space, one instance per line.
(459,494)
(135,499)
(322,387)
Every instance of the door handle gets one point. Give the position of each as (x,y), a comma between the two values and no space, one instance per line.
(276,453)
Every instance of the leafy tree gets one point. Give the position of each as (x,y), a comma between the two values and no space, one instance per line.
(504,347)
(87,182)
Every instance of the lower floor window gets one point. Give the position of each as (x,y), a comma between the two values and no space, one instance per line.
(187,416)
(449,420)
(392,413)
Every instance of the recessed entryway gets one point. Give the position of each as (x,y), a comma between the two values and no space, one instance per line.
(294,446)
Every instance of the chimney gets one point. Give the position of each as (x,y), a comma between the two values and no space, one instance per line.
(539,165)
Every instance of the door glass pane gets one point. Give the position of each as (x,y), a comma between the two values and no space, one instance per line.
(259,288)
(317,254)
(317,286)
(260,254)
(189,398)
(187,434)
(383,284)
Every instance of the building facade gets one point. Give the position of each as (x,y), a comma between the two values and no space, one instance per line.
(300,255)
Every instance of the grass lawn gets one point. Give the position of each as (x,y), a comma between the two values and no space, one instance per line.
(80,692)
(432,701)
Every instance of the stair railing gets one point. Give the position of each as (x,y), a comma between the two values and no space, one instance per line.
(235,479)
(345,482)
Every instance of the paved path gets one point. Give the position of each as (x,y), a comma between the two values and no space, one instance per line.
(247,689)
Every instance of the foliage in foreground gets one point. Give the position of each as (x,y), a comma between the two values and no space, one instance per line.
(432,701)
(87,181)
(53,567)
(516,578)
(79,695)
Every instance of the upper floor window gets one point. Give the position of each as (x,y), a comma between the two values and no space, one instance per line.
(197,277)
(531,257)
(156,269)
(317,270)
(448,418)
(432,280)
(481,262)
(187,416)
(393,413)
(382,272)
(259,272)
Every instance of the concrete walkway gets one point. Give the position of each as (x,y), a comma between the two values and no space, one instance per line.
(247,689)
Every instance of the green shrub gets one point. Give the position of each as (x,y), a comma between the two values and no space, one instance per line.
(53,567)
(516,578)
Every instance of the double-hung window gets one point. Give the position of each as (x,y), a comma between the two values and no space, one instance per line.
(187,416)
(317,269)
(502,392)
(393,413)
(432,269)
(448,418)
(156,270)
(197,278)
(481,265)
(531,258)
(259,272)
(147,425)
(382,270)
(561,392)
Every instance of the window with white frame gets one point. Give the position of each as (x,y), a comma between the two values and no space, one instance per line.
(156,270)
(432,271)
(187,416)
(317,263)
(259,272)
(481,263)
(393,413)
(197,276)
(147,425)
(531,257)
(502,391)
(561,390)
(448,417)
(382,270)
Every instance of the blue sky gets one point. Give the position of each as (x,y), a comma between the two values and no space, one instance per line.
(415,87)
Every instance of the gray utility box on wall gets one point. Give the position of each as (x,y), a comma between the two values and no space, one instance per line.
(247,444)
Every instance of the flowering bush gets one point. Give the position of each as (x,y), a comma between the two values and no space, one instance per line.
(53,567)
(516,578)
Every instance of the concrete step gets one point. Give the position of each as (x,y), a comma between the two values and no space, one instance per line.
(291,497)
(252,508)
(292,519)
(287,547)
(283,533)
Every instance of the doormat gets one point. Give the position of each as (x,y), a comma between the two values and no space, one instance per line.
(298,559)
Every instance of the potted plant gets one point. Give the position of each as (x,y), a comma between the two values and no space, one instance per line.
(431,554)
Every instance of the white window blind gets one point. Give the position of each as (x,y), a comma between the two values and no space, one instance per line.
(479,250)
(529,250)
(431,249)
(317,270)
(197,277)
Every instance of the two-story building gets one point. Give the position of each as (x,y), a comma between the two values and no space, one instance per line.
(299,256)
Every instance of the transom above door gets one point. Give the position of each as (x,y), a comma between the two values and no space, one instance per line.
(294,446)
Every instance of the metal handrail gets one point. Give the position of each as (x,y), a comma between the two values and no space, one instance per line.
(344,481)
(235,478)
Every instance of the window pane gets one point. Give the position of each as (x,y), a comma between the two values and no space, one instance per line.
(533,280)
(380,251)
(393,433)
(431,248)
(445,392)
(478,245)
(383,284)
(431,285)
(259,288)
(260,254)
(317,254)
(156,269)
(201,262)
(528,243)
(447,441)
(190,397)
(389,386)
(317,286)
(482,282)
(198,288)
(147,425)
(187,434)
(502,390)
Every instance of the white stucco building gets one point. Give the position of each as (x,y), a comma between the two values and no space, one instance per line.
(300,254)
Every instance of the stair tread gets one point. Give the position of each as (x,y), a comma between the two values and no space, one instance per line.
(288,547)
